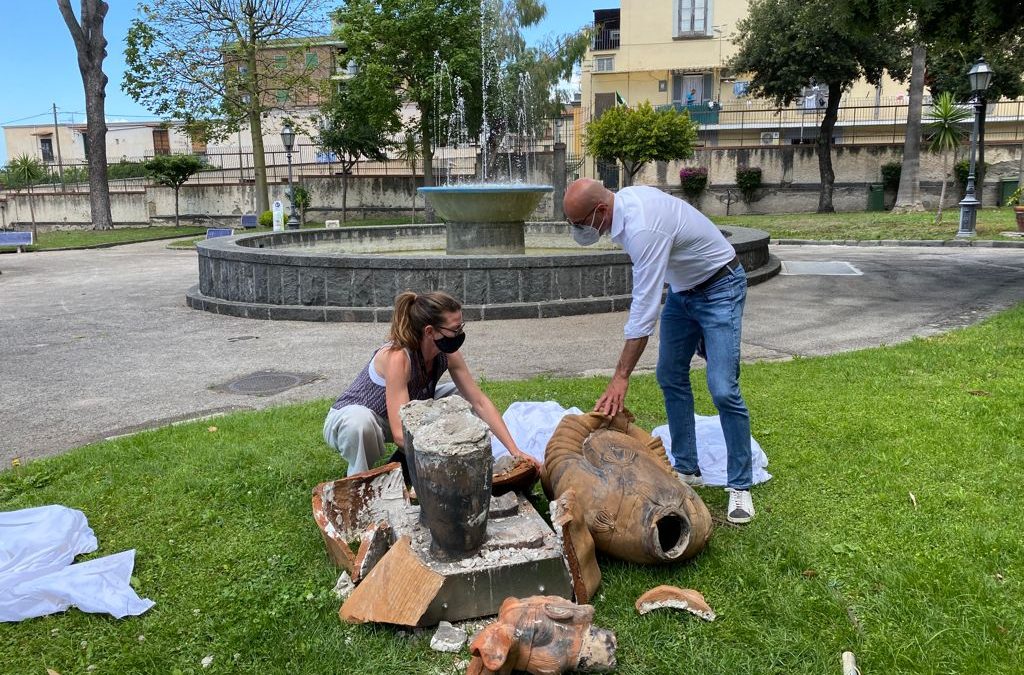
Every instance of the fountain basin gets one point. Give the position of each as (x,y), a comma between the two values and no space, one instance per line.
(354,273)
(486,218)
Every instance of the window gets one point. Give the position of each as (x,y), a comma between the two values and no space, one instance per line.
(691,18)
(161,142)
(281,95)
(312,60)
(604,64)
(46,148)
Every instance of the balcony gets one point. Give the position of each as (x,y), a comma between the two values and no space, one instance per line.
(605,38)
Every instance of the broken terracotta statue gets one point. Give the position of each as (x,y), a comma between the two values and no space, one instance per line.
(634,506)
(542,635)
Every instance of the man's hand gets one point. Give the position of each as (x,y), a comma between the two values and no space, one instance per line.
(613,400)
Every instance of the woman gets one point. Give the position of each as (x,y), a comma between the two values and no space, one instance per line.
(426,334)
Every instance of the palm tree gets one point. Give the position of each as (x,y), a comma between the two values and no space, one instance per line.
(408,150)
(26,171)
(946,131)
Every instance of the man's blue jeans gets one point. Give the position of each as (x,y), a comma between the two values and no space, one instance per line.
(716,314)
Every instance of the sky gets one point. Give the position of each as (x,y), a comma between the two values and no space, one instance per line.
(41,68)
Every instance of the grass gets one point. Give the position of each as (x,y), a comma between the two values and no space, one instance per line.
(874,225)
(121,235)
(839,558)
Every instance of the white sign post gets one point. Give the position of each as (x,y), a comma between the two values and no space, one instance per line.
(278,209)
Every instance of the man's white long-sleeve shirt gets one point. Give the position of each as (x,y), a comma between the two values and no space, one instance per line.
(668,241)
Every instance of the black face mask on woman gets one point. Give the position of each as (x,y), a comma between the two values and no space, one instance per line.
(450,345)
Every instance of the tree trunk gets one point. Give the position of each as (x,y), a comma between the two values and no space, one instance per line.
(627,174)
(91,48)
(909,196)
(942,192)
(176,207)
(259,158)
(32,214)
(344,194)
(828,124)
(428,166)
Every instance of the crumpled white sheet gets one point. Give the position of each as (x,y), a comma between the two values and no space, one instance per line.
(711,451)
(532,424)
(37,547)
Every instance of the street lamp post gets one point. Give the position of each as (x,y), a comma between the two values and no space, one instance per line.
(288,140)
(980,76)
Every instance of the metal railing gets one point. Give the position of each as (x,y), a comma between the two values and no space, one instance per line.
(606,38)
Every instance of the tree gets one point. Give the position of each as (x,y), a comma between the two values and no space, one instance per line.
(908,197)
(637,136)
(430,51)
(946,131)
(961,31)
(91,46)
(206,62)
(357,123)
(408,150)
(788,45)
(172,171)
(26,171)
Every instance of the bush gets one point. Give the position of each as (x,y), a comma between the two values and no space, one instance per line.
(694,180)
(891,175)
(125,169)
(267,219)
(961,169)
(748,180)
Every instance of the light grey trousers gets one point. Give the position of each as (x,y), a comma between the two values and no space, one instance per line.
(359,434)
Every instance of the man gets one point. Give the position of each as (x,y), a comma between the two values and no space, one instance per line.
(669,241)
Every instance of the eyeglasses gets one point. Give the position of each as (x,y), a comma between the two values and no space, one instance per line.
(455,332)
(583,221)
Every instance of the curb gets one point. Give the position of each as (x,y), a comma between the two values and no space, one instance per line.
(923,243)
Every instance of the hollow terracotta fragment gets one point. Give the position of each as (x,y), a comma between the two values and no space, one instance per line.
(577,545)
(678,598)
(542,635)
(399,589)
(635,507)
(511,474)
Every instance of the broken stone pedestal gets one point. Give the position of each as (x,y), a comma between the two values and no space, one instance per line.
(407,585)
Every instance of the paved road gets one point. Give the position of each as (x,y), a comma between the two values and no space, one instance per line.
(97,343)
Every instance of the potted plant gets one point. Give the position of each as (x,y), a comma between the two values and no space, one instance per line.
(1018,208)
(694,180)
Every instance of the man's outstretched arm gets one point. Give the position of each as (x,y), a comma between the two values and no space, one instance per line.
(614,397)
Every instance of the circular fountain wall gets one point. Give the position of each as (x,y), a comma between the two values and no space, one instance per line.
(354,273)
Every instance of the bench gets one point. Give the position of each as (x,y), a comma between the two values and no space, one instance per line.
(249,221)
(16,238)
(214,232)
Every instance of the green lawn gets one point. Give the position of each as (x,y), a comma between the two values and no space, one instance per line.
(122,235)
(874,225)
(839,558)
(190,243)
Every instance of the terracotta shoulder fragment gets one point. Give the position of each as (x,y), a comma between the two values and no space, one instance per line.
(398,590)
(677,598)
(577,546)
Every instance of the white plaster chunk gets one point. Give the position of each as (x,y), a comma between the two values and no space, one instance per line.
(344,587)
(448,638)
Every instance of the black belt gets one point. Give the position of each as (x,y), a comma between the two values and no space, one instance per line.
(727,268)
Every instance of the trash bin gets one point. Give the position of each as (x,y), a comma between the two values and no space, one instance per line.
(876,197)
(1007,186)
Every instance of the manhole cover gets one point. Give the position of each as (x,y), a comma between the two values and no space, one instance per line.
(830,268)
(265,383)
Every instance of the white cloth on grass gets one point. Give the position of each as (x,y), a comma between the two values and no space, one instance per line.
(712,455)
(37,547)
(532,424)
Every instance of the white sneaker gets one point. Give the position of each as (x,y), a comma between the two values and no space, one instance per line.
(741,506)
(692,479)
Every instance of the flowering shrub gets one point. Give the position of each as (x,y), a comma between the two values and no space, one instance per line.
(694,180)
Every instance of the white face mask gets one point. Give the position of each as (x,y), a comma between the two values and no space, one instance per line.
(585,235)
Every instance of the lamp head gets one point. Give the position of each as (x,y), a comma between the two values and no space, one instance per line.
(287,137)
(980,76)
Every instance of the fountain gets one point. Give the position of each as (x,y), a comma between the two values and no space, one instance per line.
(487,253)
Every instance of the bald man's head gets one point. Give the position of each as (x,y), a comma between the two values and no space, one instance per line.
(582,198)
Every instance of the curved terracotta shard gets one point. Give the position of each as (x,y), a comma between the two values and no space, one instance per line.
(634,506)
(577,546)
(677,598)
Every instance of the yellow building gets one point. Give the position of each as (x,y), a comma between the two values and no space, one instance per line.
(673,52)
